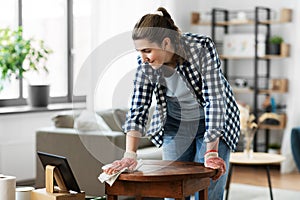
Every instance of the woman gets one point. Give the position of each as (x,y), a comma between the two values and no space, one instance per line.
(196,116)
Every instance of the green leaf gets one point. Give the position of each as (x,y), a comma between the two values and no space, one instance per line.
(276,39)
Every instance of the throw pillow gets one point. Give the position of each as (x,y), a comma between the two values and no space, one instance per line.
(90,121)
(114,117)
(65,119)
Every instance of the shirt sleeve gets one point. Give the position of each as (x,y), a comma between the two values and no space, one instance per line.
(137,116)
(212,90)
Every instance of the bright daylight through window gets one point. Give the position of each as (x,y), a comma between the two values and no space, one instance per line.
(50,21)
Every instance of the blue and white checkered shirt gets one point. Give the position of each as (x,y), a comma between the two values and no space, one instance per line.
(203,76)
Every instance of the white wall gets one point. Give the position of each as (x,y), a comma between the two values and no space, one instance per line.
(17,143)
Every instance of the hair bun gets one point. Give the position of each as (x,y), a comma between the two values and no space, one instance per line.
(164,12)
(160,13)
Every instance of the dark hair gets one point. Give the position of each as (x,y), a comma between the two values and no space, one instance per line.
(156,27)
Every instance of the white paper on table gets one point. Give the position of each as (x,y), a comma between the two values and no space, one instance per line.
(110,179)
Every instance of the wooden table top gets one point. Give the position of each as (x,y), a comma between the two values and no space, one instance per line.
(159,170)
(258,158)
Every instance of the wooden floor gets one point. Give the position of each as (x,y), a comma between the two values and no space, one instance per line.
(257,176)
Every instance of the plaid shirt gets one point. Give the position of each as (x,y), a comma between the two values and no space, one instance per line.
(203,76)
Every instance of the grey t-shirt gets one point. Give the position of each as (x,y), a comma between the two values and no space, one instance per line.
(184,105)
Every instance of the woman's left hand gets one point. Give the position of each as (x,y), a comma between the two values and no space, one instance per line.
(216,163)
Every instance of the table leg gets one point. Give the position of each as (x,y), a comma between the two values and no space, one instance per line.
(228,181)
(269,181)
(203,194)
(267,132)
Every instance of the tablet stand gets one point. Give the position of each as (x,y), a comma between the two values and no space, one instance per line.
(52,193)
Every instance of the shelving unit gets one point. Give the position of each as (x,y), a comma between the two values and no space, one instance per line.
(224,22)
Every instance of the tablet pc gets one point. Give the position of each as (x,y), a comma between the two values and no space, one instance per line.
(63,166)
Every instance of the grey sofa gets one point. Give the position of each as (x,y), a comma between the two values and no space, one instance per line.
(88,151)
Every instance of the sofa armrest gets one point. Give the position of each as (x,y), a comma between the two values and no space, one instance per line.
(86,153)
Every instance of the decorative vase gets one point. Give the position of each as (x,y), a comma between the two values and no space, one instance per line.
(274,49)
(38,95)
(248,142)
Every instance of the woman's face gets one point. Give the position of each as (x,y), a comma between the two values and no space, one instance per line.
(152,53)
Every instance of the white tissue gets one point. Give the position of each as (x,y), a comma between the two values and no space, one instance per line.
(7,187)
(110,179)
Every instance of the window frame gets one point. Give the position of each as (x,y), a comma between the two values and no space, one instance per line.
(69,98)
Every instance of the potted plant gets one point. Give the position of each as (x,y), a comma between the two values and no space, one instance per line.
(274,148)
(274,45)
(18,56)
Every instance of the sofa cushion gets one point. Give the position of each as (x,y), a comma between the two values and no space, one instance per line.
(65,119)
(90,121)
(114,118)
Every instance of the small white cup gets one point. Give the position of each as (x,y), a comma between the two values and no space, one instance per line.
(23,193)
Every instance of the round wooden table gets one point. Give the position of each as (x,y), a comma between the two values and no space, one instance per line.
(160,179)
(259,158)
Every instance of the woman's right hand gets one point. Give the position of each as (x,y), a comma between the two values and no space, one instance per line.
(129,159)
(118,165)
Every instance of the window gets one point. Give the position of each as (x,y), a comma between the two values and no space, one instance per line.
(74,29)
(82,26)
(48,20)
(9,19)
(8,13)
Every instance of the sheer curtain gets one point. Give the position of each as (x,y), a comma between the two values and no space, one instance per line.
(48,22)
(9,19)
(106,74)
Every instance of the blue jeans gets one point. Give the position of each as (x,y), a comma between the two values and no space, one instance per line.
(183,141)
